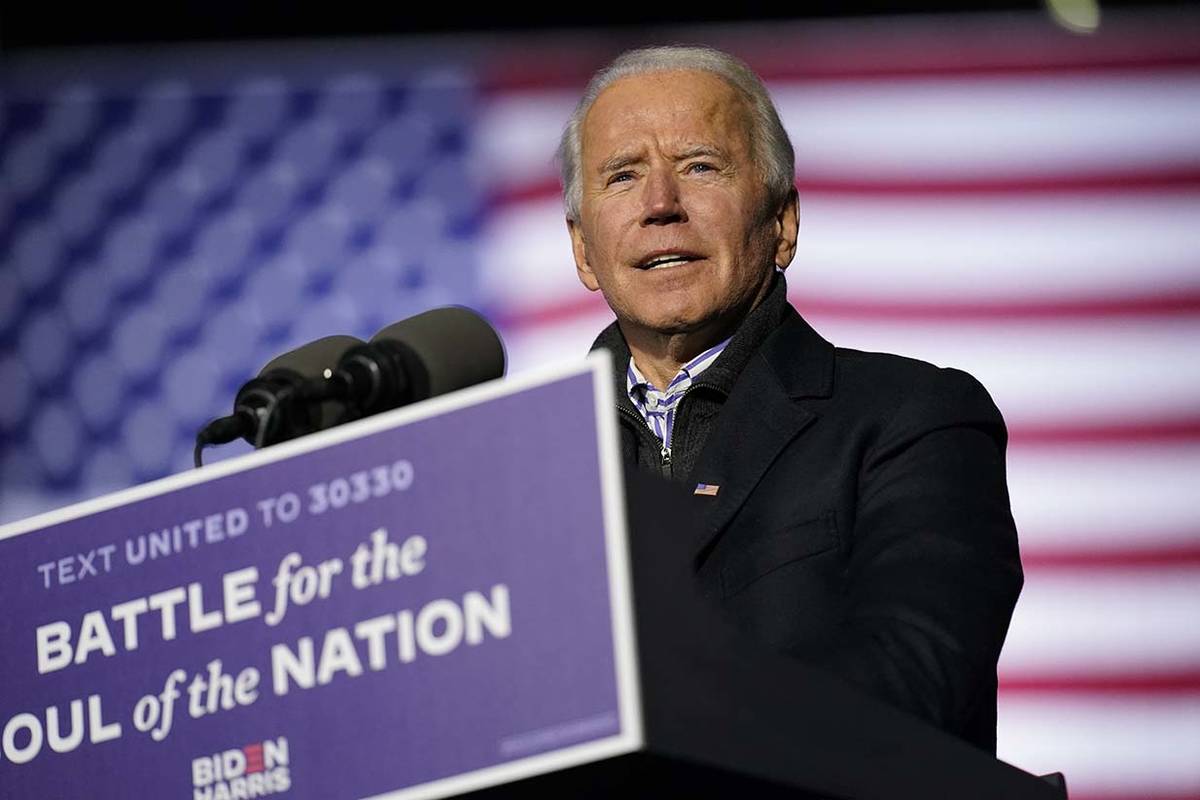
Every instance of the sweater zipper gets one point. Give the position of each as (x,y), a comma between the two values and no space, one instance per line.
(663,451)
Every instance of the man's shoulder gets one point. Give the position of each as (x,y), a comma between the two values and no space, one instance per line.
(899,387)
(893,374)
(807,362)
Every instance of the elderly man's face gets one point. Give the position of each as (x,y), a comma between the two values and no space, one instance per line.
(674,225)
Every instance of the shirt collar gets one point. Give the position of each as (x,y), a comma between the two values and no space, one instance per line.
(746,341)
(635,380)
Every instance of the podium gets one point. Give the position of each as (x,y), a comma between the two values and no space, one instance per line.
(460,598)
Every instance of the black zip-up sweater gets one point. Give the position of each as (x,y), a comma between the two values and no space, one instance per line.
(696,413)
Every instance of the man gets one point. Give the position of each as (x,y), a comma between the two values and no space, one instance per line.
(853,505)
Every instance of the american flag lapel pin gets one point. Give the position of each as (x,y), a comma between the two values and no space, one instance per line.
(707,489)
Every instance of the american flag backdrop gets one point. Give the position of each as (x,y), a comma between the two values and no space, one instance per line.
(986,192)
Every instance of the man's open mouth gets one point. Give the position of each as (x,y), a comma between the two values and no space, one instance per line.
(667,260)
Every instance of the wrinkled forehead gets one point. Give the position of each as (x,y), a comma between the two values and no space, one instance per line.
(677,107)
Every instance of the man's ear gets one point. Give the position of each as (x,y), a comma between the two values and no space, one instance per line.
(579,248)
(787,229)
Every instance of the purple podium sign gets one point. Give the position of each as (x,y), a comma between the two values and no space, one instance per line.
(416,605)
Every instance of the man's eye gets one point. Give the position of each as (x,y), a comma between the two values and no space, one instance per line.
(700,166)
(620,177)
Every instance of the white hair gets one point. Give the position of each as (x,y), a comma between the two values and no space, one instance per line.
(769,141)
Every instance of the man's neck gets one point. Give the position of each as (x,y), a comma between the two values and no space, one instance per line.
(660,356)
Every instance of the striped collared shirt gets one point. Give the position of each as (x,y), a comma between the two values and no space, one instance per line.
(658,407)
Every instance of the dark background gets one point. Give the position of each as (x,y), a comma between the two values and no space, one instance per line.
(38,24)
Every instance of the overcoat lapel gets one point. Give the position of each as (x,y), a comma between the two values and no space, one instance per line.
(762,415)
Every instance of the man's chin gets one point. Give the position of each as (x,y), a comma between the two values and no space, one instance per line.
(676,324)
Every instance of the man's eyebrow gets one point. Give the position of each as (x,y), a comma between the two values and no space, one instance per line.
(619,161)
(699,150)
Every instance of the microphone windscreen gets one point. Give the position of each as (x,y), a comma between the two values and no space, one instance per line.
(457,347)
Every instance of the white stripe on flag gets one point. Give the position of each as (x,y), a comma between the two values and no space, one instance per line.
(1002,126)
(1126,623)
(1136,747)
(1105,497)
(1066,371)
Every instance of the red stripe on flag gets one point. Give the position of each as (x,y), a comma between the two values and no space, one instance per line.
(1181,682)
(961,65)
(1164,556)
(1140,432)
(1183,302)
(580,304)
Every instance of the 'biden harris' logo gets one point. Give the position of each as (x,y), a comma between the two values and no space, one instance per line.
(256,770)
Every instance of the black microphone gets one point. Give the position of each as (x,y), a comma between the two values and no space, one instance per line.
(430,354)
(273,407)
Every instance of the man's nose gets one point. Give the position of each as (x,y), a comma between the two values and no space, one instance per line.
(660,197)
